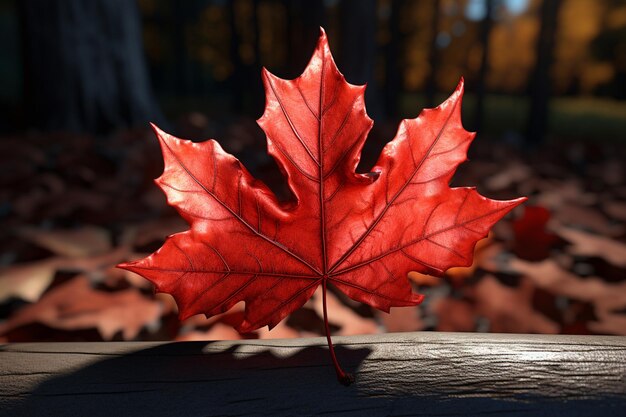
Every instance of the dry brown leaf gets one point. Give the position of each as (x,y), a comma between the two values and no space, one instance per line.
(86,241)
(616,210)
(76,305)
(29,280)
(93,263)
(401,319)
(609,323)
(510,310)
(513,174)
(454,315)
(587,244)
(550,276)
(26,281)
(556,193)
(587,218)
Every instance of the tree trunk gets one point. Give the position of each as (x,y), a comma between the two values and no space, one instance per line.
(357,54)
(540,85)
(485,32)
(431,83)
(303,28)
(245,85)
(393,52)
(238,76)
(84,66)
(257,100)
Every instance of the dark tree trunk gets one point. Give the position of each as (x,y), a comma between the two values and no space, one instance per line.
(303,28)
(181,63)
(238,76)
(357,53)
(540,85)
(84,65)
(431,83)
(393,52)
(245,85)
(257,99)
(485,32)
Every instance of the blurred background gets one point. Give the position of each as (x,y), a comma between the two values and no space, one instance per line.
(80,80)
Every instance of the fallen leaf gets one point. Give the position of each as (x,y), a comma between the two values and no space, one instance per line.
(609,323)
(532,241)
(401,320)
(76,305)
(509,310)
(514,173)
(556,194)
(588,218)
(454,315)
(27,281)
(550,276)
(82,242)
(588,244)
(616,210)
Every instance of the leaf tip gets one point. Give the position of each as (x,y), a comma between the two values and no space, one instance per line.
(128,266)
(322,46)
(520,200)
(157,131)
(459,90)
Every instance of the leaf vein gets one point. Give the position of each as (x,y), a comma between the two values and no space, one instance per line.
(245,223)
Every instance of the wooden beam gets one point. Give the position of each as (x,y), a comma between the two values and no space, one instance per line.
(407,374)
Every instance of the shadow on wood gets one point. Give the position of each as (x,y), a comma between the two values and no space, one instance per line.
(422,374)
(184,378)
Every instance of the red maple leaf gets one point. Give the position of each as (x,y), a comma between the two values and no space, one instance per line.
(361,233)
(533,241)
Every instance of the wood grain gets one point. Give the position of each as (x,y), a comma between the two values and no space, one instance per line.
(407,374)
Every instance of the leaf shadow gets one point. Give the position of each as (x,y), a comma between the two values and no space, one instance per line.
(188,379)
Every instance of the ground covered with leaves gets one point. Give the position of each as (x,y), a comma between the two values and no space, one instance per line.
(72,207)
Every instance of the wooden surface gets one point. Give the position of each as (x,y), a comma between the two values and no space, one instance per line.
(408,374)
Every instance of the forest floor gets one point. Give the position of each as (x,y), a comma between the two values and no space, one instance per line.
(72,207)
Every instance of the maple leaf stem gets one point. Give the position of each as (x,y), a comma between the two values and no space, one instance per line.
(343,377)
